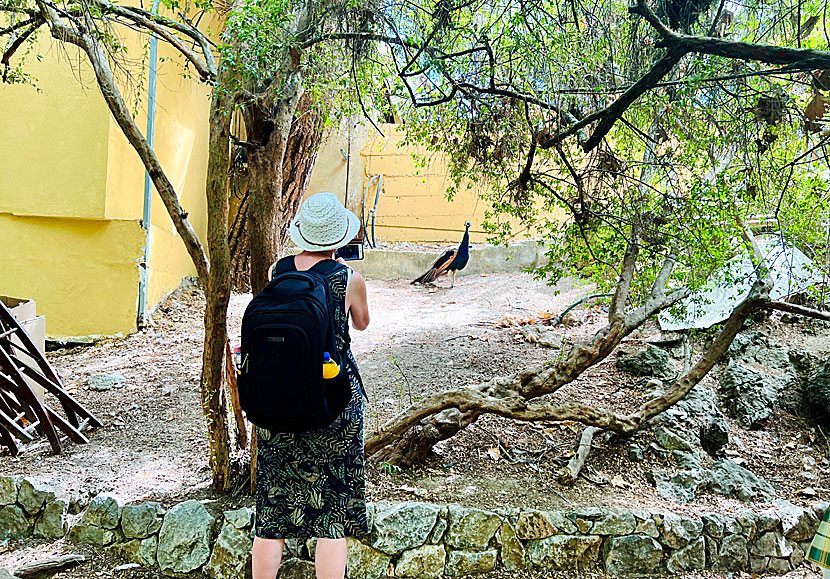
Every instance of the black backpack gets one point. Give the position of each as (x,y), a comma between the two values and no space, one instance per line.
(285,330)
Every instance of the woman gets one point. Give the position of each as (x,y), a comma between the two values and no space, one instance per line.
(312,484)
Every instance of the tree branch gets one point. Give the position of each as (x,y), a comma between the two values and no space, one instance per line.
(800,310)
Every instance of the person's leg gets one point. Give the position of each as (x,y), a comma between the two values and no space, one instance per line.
(266,555)
(330,558)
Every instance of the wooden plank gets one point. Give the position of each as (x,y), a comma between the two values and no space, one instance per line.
(13,400)
(13,427)
(69,429)
(30,348)
(57,390)
(25,395)
(7,440)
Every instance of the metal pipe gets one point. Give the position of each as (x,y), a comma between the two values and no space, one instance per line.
(144,266)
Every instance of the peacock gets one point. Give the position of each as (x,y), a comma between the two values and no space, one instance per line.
(451,261)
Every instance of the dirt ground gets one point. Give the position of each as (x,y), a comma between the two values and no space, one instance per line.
(420,341)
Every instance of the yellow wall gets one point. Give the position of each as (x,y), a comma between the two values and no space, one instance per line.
(413,205)
(53,144)
(63,156)
(75,269)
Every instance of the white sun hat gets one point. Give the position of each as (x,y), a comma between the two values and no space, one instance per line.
(323,224)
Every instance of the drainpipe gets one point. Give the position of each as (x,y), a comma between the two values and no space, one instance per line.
(144,267)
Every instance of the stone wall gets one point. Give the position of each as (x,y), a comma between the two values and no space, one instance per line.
(423,540)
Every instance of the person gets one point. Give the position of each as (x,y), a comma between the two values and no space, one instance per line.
(312,484)
(819,551)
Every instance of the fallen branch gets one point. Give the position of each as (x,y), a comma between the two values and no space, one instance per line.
(570,473)
(52,565)
(800,310)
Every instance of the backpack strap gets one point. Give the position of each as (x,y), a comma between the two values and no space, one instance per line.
(284,265)
(327,267)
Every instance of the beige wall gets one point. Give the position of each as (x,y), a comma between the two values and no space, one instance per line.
(413,203)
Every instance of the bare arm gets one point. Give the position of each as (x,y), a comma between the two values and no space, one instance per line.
(357,303)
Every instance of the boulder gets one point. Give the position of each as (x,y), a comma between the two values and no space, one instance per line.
(670,440)
(730,555)
(797,524)
(141,520)
(14,523)
(632,555)
(104,511)
(139,551)
(817,393)
(512,552)
(184,539)
(402,526)
(467,563)
(9,489)
(297,569)
(242,518)
(426,562)
(101,382)
(652,361)
(51,524)
(614,524)
(748,395)
(564,552)
(470,529)
(677,532)
(689,558)
(729,478)
(363,562)
(34,494)
(231,556)
(771,544)
(714,435)
(532,524)
(682,486)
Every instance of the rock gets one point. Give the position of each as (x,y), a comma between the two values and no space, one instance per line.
(425,562)
(51,524)
(714,435)
(682,486)
(758,564)
(766,521)
(798,524)
(297,569)
(512,552)
(778,566)
(817,393)
(677,532)
(728,478)
(645,524)
(771,544)
(14,524)
(748,395)
(402,526)
(141,552)
(534,525)
(731,555)
(689,558)
(670,440)
(470,529)
(615,524)
(363,562)
(686,459)
(9,489)
(748,521)
(34,494)
(698,404)
(141,520)
(240,518)
(797,558)
(437,533)
(231,556)
(632,555)
(104,511)
(564,552)
(652,361)
(466,563)
(184,539)
(635,453)
(101,382)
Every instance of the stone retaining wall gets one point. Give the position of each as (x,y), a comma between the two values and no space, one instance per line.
(423,540)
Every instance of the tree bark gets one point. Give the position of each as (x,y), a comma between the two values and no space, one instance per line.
(217,291)
(298,162)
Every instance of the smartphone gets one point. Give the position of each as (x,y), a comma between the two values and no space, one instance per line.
(350,252)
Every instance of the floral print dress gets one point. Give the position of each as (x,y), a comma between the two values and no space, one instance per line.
(312,484)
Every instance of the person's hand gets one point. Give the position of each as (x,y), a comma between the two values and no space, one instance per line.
(341,260)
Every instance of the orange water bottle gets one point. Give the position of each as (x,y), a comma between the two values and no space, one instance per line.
(330,368)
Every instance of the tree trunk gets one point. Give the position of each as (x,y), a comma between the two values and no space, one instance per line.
(298,162)
(217,292)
